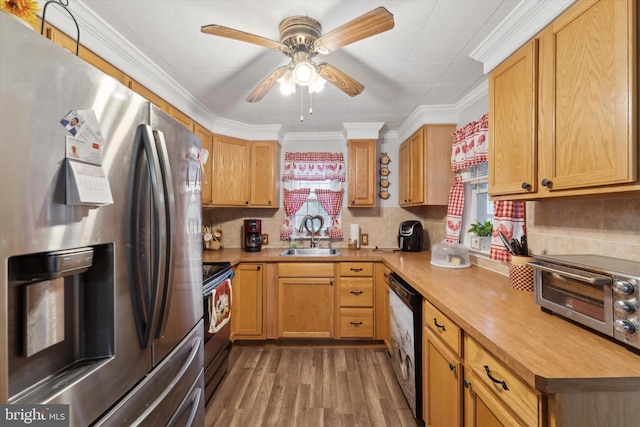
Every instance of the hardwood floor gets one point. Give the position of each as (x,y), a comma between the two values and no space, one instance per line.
(310,387)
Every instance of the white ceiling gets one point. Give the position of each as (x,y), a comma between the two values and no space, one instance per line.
(423,61)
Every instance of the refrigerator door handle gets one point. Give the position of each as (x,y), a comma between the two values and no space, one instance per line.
(168,209)
(146,264)
(195,348)
(194,403)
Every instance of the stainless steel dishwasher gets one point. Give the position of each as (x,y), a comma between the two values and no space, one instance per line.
(405,308)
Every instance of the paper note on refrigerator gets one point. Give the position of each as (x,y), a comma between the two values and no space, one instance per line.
(87,185)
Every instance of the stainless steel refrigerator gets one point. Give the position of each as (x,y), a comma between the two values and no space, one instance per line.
(100,303)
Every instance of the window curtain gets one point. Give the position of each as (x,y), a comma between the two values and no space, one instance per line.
(470,144)
(331,202)
(454,211)
(470,147)
(312,166)
(293,201)
(508,218)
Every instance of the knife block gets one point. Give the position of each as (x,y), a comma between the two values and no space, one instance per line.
(520,274)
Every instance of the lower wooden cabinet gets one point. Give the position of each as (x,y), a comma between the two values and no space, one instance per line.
(442,384)
(248,305)
(356,296)
(482,408)
(383,320)
(306,300)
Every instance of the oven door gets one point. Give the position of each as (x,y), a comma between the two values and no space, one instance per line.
(582,296)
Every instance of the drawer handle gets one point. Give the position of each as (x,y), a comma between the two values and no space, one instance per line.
(356,324)
(356,293)
(503,383)
(441,327)
(356,270)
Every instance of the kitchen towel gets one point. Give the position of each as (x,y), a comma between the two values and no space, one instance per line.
(220,306)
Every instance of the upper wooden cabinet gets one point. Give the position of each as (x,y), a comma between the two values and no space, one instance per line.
(244,173)
(425,166)
(512,123)
(230,171)
(264,188)
(362,172)
(586,123)
(206,143)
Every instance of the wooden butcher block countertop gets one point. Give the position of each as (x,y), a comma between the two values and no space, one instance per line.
(549,353)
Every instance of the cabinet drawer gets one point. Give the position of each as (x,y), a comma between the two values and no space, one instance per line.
(356,292)
(356,322)
(305,269)
(442,327)
(363,269)
(505,384)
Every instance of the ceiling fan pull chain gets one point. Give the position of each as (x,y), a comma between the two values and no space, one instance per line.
(301,106)
(310,103)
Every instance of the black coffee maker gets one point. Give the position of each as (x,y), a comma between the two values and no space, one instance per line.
(252,235)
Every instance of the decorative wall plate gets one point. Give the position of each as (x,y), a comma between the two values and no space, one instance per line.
(384,159)
(384,183)
(384,171)
(384,194)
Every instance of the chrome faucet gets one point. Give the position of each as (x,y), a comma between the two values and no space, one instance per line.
(313,230)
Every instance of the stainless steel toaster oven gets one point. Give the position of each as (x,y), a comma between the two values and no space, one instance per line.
(598,292)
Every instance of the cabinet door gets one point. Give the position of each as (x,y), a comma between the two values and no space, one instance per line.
(512,123)
(588,97)
(438,176)
(264,174)
(417,165)
(482,409)
(181,117)
(306,307)
(248,305)
(206,141)
(362,172)
(230,171)
(442,385)
(405,174)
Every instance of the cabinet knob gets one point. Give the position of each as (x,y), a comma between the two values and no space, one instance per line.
(269,202)
(246,203)
(546,183)
(258,267)
(466,382)
(526,186)
(452,367)
(353,202)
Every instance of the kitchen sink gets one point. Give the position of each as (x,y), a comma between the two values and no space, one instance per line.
(311,252)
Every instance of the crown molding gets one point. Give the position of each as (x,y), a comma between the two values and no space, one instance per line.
(362,130)
(310,137)
(427,114)
(476,94)
(105,41)
(524,22)
(245,131)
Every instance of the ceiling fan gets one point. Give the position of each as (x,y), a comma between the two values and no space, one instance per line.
(301,40)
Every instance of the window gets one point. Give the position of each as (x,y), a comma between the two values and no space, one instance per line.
(312,206)
(477,206)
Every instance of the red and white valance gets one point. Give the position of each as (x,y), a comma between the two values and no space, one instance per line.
(470,144)
(312,166)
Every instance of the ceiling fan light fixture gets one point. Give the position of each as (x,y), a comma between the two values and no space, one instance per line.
(287,85)
(304,73)
(317,85)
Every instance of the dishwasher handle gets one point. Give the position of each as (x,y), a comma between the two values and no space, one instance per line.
(401,288)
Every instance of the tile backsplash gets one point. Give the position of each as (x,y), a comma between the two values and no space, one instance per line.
(606,226)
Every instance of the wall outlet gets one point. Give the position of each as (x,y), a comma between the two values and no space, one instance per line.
(364,239)
(265,239)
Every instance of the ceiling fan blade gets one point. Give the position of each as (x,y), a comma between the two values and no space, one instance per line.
(339,79)
(266,85)
(230,33)
(367,25)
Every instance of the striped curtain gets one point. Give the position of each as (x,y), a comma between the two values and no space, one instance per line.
(454,211)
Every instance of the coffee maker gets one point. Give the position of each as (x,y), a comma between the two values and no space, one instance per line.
(252,235)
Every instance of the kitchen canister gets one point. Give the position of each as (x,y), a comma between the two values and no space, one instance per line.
(520,274)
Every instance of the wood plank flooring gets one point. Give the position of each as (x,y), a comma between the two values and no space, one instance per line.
(310,387)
